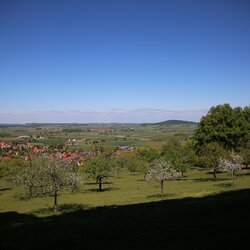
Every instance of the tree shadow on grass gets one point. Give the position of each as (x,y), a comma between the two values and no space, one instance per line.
(5,189)
(159,196)
(243,174)
(95,183)
(209,179)
(141,179)
(224,185)
(91,190)
(169,224)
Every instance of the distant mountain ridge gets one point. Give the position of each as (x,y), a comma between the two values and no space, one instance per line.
(172,122)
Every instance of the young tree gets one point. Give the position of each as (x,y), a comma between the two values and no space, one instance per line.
(98,168)
(30,177)
(209,156)
(231,165)
(161,171)
(46,176)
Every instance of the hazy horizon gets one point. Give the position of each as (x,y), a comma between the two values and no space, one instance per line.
(122,61)
(112,116)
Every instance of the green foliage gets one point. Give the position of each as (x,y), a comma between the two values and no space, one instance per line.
(43,175)
(149,154)
(9,169)
(180,156)
(98,168)
(132,162)
(210,155)
(245,154)
(224,125)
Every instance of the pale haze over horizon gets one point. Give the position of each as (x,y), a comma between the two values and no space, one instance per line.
(122,61)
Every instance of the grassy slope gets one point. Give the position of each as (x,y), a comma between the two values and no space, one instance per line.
(125,189)
(220,221)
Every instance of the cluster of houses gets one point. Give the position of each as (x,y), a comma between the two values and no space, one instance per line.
(9,151)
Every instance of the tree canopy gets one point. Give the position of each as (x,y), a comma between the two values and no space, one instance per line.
(98,168)
(230,127)
(160,171)
(180,156)
(46,176)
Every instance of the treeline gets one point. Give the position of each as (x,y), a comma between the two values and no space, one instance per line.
(73,130)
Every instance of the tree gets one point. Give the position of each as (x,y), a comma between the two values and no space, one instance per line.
(46,176)
(98,168)
(31,176)
(132,162)
(161,171)
(9,169)
(180,156)
(224,125)
(209,156)
(149,154)
(245,154)
(231,165)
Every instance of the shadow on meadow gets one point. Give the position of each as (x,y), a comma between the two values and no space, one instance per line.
(220,221)
(159,196)
(210,179)
(91,190)
(224,185)
(4,189)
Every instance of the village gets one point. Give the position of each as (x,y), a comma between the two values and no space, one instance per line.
(15,149)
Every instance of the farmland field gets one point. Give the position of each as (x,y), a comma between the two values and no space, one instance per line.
(87,135)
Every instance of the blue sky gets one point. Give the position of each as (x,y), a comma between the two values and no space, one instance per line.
(122,61)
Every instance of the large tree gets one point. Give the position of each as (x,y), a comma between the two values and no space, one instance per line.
(230,127)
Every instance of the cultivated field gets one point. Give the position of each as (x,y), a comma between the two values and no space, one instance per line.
(88,135)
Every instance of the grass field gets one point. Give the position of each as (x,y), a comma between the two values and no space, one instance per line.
(127,188)
(195,213)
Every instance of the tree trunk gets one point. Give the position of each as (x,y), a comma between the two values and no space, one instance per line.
(233,177)
(100,183)
(55,201)
(30,191)
(162,188)
(215,171)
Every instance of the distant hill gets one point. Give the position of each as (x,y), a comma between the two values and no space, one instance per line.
(172,122)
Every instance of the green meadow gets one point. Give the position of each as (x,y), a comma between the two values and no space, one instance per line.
(127,188)
(195,213)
